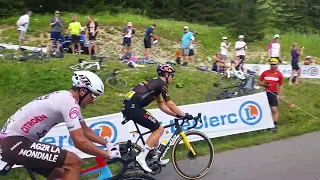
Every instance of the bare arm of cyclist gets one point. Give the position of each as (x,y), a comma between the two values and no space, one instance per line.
(82,143)
(91,135)
(174,108)
(162,105)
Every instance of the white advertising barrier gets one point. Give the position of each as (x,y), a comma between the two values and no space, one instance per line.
(307,71)
(220,118)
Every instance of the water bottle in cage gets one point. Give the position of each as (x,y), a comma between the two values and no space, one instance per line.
(162,146)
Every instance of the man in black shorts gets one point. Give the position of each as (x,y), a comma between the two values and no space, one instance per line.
(142,95)
(148,41)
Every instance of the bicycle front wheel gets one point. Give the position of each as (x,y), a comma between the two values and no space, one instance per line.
(195,167)
(116,82)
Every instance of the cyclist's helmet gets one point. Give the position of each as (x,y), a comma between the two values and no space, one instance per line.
(162,68)
(88,80)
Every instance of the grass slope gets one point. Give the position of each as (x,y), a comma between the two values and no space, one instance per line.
(22,82)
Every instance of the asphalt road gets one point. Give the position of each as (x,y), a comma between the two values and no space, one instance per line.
(296,158)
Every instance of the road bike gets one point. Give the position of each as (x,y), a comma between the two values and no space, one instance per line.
(37,54)
(112,80)
(192,149)
(86,65)
(101,168)
(239,87)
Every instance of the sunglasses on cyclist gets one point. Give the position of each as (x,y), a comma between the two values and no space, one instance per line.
(94,97)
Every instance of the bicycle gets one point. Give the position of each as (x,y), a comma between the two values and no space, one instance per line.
(114,81)
(85,65)
(244,85)
(101,168)
(24,55)
(178,137)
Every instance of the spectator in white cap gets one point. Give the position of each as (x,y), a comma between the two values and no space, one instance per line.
(308,60)
(127,34)
(224,48)
(186,41)
(274,48)
(241,48)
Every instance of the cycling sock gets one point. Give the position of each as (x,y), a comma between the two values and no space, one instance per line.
(145,152)
(275,123)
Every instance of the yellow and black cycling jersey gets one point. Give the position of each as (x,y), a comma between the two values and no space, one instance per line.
(147,91)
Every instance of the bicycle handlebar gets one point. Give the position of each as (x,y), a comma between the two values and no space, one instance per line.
(197,118)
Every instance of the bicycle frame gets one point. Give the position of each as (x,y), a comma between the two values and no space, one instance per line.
(85,65)
(173,138)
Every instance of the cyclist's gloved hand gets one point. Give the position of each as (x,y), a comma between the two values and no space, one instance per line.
(114,151)
(109,146)
(188,116)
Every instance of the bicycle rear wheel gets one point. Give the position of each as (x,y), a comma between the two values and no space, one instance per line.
(116,82)
(201,145)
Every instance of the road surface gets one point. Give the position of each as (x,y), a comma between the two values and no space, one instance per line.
(296,158)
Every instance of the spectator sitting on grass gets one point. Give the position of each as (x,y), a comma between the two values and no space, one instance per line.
(237,65)
(219,65)
(308,60)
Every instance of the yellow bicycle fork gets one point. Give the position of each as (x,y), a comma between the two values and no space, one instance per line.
(187,143)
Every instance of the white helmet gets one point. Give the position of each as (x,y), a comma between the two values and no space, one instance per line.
(89,80)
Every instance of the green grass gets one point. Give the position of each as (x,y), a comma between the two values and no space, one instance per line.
(22,82)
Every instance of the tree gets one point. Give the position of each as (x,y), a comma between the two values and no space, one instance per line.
(248,19)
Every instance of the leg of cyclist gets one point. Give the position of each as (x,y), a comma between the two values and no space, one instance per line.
(145,119)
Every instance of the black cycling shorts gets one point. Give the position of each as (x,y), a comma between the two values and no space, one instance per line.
(272,98)
(41,158)
(141,117)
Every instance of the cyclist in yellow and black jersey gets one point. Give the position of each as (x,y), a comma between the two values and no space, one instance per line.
(142,95)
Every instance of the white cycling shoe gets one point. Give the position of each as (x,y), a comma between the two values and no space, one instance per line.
(164,161)
(143,164)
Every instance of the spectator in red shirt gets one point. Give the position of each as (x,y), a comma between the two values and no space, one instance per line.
(272,80)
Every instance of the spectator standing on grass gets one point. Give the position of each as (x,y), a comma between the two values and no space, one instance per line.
(148,41)
(274,48)
(92,33)
(74,29)
(224,48)
(308,60)
(56,24)
(127,34)
(295,53)
(241,48)
(186,41)
(191,47)
(272,80)
(23,24)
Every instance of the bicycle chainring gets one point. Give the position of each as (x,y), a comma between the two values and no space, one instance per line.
(155,166)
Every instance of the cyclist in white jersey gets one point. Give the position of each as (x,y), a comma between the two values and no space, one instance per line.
(19,142)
